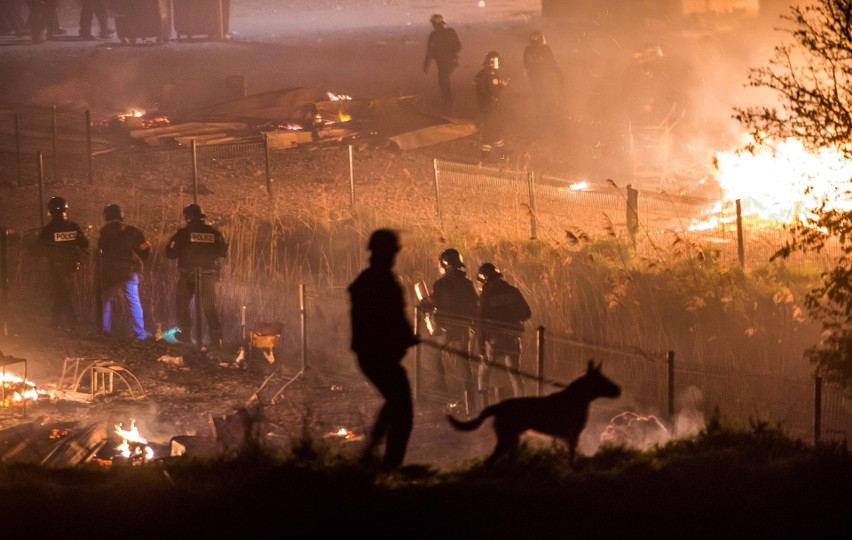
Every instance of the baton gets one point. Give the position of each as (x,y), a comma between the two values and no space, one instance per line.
(469,357)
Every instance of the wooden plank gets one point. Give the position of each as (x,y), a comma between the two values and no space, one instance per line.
(187,128)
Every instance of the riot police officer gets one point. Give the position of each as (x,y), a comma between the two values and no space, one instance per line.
(489,91)
(123,252)
(63,244)
(499,326)
(453,302)
(443,47)
(199,249)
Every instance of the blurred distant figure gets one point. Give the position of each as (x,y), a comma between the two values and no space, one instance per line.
(489,91)
(543,74)
(44,20)
(11,17)
(381,335)
(500,325)
(89,10)
(123,252)
(454,302)
(63,243)
(443,47)
(198,247)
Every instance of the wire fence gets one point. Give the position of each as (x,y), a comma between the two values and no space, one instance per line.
(519,205)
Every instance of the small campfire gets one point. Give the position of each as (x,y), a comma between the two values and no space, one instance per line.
(345,434)
(133,447)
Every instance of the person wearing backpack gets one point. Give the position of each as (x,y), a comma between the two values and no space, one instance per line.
(499,327)
(123,251)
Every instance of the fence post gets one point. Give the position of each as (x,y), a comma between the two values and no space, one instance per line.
(303,318)
(55,144)
(817,409)
(89,146)
(670,360)
(417,353)
(351,182)
(41,187)
(198,326)
(632,212)
(194,148)
(740,247)
(438,195)
(266,161)
(18,147)
(220,22)
(533,213)
(4,279)
(243,335)
(539,360)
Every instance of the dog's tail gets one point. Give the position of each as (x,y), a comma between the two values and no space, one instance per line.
(473,423)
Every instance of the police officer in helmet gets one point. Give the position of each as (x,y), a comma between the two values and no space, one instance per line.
(489,91)
(453,302)
(500,325)
(443,47)
(199,249)
(63,243)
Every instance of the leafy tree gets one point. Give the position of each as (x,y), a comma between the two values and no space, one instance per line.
(811,74)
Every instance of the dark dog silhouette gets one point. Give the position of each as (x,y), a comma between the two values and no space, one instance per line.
(562,414)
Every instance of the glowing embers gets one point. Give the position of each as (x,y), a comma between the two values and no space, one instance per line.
(781,181)
(133,446)
(137,118)
(345,434)
(16,389)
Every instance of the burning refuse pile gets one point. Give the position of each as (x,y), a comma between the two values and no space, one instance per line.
(291,117)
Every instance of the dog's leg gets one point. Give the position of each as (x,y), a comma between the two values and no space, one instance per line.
(507,445)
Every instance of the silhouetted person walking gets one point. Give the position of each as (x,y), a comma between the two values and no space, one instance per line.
(123,252)
(443,47)
(198,247)
(63,243)
(381,335)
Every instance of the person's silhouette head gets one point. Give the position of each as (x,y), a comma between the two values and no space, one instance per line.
(383,246)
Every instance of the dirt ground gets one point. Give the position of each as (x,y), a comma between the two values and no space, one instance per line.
(363,48)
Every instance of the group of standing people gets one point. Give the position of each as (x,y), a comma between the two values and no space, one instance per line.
(382,334)
(123,249)
(42,19)
(540,67)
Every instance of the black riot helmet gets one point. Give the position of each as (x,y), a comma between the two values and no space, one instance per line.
(383,242)
(113,212)
(537,38)
(57,206)
(486,272)
(493,59)
(451,258)
(193,211)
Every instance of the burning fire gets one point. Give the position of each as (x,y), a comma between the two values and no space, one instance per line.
(133,446)
(345,434)
(16,390)
(783,181)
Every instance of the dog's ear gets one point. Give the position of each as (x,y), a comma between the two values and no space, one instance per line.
(591,366)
